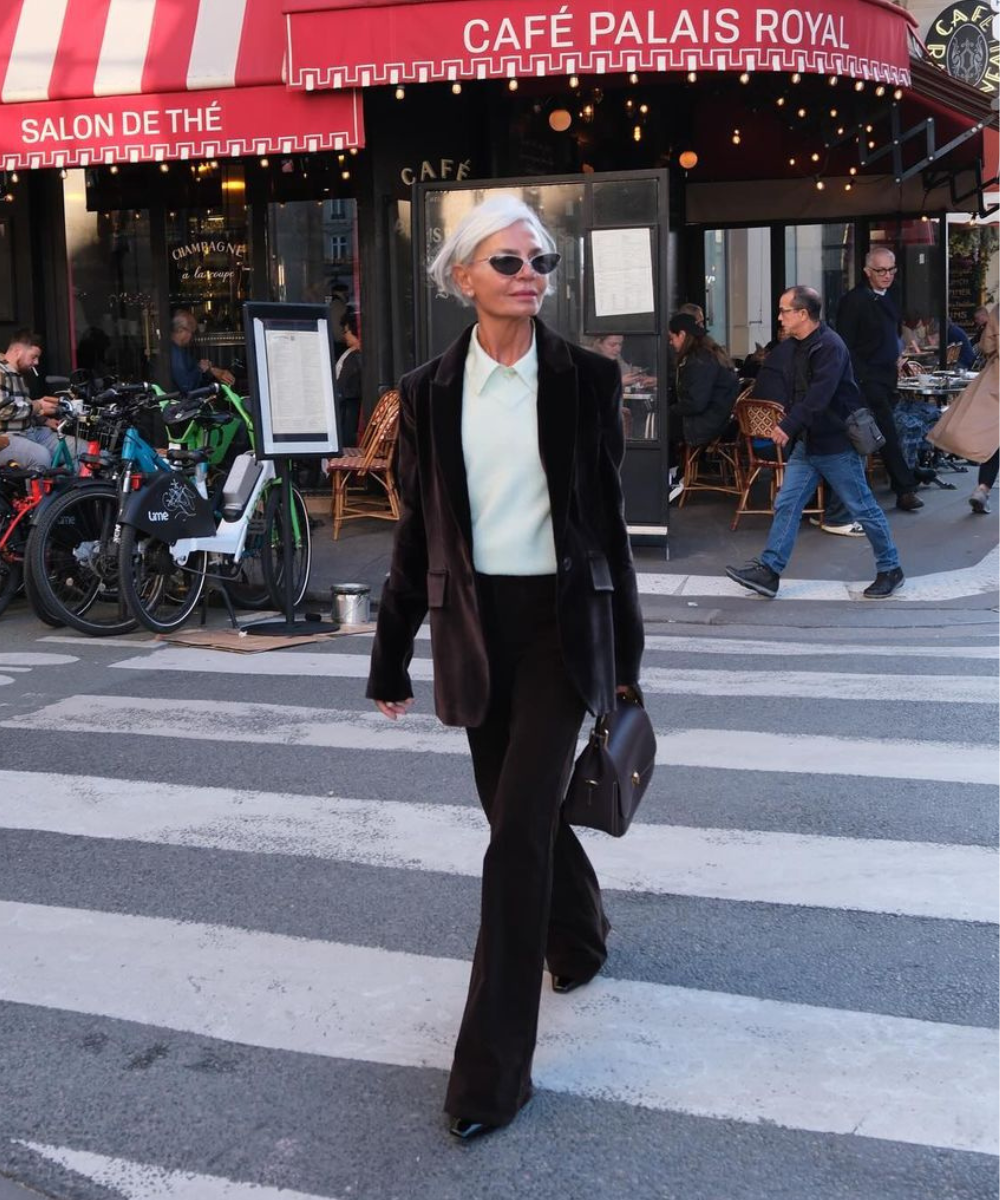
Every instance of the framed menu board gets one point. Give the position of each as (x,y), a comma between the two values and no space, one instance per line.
(290,357)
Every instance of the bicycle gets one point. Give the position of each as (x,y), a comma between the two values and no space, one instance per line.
(171,529)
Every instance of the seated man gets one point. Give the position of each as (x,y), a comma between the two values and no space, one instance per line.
(187,371)
(24,438)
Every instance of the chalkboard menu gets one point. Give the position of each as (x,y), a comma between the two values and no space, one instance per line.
(964,290)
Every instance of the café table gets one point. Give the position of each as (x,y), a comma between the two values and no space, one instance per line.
(918,411)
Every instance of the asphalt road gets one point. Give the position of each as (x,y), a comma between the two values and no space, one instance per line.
(236,916)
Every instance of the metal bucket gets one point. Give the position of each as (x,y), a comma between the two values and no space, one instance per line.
(351,603)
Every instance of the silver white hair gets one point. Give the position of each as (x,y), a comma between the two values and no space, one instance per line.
(870,256)
(482,222)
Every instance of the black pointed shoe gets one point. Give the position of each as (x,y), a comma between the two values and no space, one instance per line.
(466,1130)
(886,582)
(909,502)
(566,983)
(757,577)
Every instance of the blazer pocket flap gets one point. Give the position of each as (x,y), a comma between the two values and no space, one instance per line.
(437,589)
(600,573)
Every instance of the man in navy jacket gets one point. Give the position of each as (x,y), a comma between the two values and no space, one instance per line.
(823,394)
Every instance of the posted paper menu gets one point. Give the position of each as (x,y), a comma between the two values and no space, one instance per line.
(295,381)
(623,271)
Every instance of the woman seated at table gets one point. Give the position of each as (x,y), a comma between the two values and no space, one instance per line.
(706,385)
(610,345)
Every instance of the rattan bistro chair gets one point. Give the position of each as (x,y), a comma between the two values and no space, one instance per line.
(756,420)
(714,467)
(372,461)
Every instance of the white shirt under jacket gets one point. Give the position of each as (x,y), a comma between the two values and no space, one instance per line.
(508,490)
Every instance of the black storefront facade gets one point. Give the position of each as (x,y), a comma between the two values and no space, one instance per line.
(746,180)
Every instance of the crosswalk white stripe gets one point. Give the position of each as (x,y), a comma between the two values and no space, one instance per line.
(140,1181)
(770,649)
(709,749)
(782,649)
(912,878)
(940,585)
(957,689)
(662,1047)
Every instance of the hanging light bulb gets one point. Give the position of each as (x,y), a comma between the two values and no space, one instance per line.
(848,187)
(780,101)
(880,90)
(859,85)
(897,94)
(833,80)
(401,92)
(633,78)
(456,89)
(820,185)
(164,167)
(814,156)
(629,104)
(512,85)
(833,112)
(736,137)
(637,133)
(14,177)
(869,128)
(345,174)
(62,173)
(574,81)
(871,145)
(796,77)
(840,131)
(745,77)
(114,168)
(644,108)
(791,162)
(801,113)
(692,76)
(560,120)
(853,171)
(688,159)
(265,163)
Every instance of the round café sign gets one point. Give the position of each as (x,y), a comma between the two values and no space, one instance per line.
(963,41)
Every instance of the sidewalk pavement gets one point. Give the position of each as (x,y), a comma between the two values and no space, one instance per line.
(9,1190)
(944,536)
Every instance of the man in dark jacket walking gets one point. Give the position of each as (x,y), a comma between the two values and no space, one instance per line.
(869,322)
(824,393)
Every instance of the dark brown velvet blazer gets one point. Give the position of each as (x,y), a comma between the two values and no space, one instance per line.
(581,444)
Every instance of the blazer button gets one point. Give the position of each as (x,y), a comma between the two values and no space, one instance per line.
(567,564)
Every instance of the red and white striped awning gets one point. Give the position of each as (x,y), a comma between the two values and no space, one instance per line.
(96,81)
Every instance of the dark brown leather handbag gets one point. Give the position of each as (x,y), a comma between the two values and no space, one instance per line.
(613,770)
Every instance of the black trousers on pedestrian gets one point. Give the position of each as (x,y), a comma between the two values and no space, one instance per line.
(989,469)
(541,901)
(880,396)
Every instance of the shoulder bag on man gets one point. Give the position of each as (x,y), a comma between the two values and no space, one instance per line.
(613,770)
(863,431)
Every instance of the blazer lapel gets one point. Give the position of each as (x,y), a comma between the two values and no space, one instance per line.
(446,431)
(558,400)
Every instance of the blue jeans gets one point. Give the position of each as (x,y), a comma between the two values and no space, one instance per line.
(845,473)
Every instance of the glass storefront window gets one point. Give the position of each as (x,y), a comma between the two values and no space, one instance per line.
(113,316)
(208,260)
(738,288)
(821,257)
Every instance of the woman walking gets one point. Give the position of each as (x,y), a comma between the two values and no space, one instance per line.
(512,535)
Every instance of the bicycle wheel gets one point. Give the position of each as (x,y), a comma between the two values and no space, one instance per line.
(35,600)
(245,582)
(160,593)
(10,565)
(275,554)
(73,561)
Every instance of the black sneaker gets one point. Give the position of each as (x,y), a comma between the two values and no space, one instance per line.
(757,577)
(886,582)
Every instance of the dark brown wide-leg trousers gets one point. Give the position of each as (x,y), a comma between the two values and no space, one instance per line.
(540,898)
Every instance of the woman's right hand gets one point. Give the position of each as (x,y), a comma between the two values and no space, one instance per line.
(393,709)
